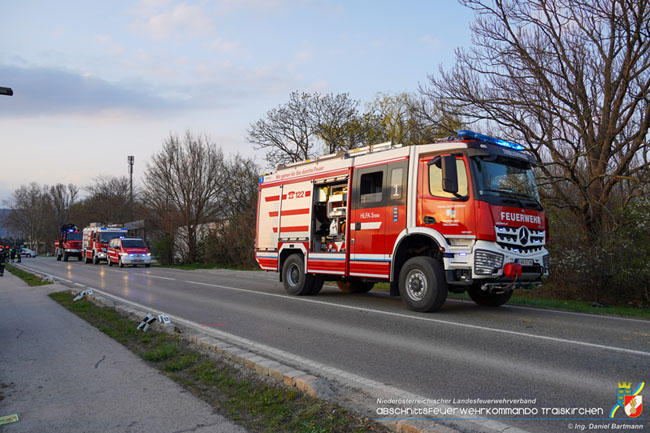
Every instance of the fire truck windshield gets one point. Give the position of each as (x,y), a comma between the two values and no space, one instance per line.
(105,237)
(133,243)
(73,236)
(505,177)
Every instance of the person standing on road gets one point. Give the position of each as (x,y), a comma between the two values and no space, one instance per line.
(3,259)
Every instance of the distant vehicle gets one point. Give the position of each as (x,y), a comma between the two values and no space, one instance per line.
(69,243)
(95,241)
(128,251)
(26,252)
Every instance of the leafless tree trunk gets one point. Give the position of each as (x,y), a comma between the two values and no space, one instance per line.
(185,179)
(571,80)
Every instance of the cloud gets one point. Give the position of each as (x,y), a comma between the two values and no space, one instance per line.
(46,91)
(181,21)
(225,47)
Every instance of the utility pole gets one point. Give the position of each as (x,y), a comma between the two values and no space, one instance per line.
(130,160)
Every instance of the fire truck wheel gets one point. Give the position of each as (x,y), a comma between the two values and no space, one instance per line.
(65,257)
(354,285)
(488,299)
(121,263)
(317,286)
(95,260)
(422,284)
(294,279)
(58,258)
(109,262)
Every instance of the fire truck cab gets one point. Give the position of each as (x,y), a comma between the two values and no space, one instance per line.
(458,215)
(69,243)
(96,238)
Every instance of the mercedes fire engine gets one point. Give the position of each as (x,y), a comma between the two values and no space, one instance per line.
(96,238)
(69,243)
(457,215)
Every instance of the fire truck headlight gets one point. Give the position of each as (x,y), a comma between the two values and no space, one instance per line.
(486,263)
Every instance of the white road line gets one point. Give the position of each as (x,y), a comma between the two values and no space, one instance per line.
(429,319)
(157,276)
(548,310)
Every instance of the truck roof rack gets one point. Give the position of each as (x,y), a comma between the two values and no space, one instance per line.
(344,154)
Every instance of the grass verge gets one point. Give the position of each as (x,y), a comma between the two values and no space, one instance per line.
(27,277)
(248,399)
(531,299)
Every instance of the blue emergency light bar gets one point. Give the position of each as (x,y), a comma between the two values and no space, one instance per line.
(465,134)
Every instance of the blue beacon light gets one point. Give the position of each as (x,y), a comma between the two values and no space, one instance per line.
(499,142)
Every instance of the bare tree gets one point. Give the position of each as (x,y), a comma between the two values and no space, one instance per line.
(571,80)
(61,198)
(109,200)
(30,213)
(307,125)
(233,241)
(185,179)
(287,132)
(331,114)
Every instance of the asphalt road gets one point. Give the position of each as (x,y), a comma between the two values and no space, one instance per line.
(463,351)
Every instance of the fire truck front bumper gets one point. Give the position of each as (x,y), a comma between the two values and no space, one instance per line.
(136,259)
(486,263)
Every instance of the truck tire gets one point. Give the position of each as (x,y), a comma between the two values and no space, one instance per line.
(422,284)
(58,257)
(86,259)
(485,299)
(317,286)
(95,260)
(294,279)
(109,262)
(120,262)
(354,285)
(65,257)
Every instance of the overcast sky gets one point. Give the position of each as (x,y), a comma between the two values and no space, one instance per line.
(95,81)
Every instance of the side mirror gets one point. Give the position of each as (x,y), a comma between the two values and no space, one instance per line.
(449,175)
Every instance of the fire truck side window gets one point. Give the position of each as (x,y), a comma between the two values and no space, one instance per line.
(435,180)
(371,187)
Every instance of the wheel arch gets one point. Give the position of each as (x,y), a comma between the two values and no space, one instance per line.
(286,251)
(413,243)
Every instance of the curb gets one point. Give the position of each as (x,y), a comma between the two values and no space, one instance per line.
(304,382)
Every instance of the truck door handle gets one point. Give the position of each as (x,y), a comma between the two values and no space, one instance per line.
(357,226)
(429,219)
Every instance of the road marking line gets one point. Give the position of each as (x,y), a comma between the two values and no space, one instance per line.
(429,319)
(157,276)
(576,313)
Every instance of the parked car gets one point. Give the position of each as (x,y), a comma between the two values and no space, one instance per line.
(26,252)
(128,251)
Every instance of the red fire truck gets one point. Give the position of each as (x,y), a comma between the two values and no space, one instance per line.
(96,238)
(457,215)
(69,243)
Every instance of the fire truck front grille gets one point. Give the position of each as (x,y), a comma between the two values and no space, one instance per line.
(520,240)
